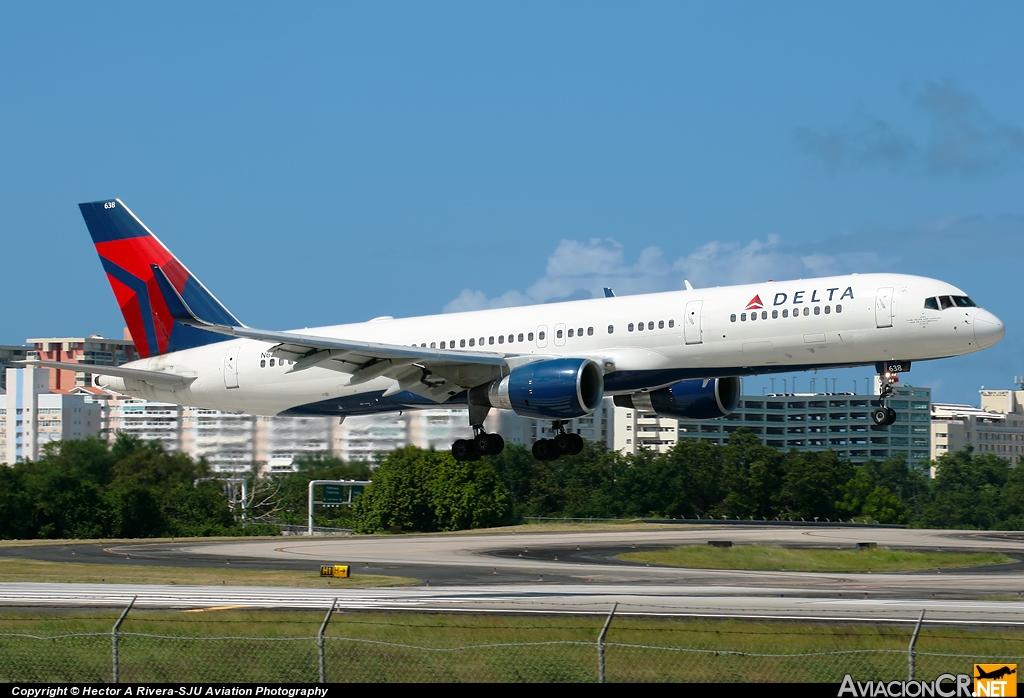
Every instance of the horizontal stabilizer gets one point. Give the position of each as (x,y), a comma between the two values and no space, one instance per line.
(151,377)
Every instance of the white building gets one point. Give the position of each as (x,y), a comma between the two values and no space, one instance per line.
(996,427)
(31,416)
(635,431)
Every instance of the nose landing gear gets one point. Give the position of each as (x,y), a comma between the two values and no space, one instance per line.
(884,415)
(564,444)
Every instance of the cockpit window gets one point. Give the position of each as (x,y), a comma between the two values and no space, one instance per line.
(931,303)
(964,302)
(946,302)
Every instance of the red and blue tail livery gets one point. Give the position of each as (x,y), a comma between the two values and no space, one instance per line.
(129,252)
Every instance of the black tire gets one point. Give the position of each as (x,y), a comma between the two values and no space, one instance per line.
(879,415)
(482,444)
(463,450)
(577,444)
(891,416)
(544,450)
(563,444)
(495,444)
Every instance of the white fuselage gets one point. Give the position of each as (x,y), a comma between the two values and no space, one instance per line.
(701,333)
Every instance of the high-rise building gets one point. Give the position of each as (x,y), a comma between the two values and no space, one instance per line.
(996,427)
(10,353)
(93,349)
(840,422)
(32,416)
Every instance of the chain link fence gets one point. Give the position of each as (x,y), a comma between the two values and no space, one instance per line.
(249,645)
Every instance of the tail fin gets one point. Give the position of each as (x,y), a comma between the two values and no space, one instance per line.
(129,251)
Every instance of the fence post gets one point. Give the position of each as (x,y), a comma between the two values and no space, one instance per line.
(113,636)
(600,643)
(910,649)
(320,641)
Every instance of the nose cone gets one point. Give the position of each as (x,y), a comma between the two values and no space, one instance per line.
(988,329)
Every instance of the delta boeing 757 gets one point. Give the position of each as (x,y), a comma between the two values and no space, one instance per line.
(677,354)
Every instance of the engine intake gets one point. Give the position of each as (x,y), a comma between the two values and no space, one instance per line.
(552,389)
(694,399)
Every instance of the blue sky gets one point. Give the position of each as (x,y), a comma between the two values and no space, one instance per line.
(332,162)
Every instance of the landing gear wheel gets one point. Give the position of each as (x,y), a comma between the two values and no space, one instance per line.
(464,450)
(564,444)
(544,450)
(495,444)
(890,416)
(880,415)
(482,444)
(577,444)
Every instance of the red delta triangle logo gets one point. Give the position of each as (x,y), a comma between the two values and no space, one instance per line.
(755,303)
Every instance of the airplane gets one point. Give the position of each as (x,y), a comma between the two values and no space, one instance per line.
(676,354)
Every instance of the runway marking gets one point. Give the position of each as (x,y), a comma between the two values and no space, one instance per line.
(212,608)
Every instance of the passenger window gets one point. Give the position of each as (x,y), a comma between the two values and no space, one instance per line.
(807,311)
(775,315)
(839,308)
(661,324)
(481,341)
(271,363)
(764,314)
(490,340)
(558,334)
(945,302)
(732,318)
(753,316)
(501,339)
(650,325)
(817,310)
(521,336)
(671,323)
(579,332)
(590,331)
(630,327)
(828,309)
(640,327)
(442,345)
(462,342)
(424,345)
(432,345)
(570,332)
(785,312)
(263,363)
(743,317)
(611,329)
(931,303)
(540,336)
(512,338)
(472,342)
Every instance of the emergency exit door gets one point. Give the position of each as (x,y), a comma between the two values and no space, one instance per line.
(883,307)
(692,330)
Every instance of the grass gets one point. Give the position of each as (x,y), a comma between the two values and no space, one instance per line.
(270,645)
(18,570)
(773,558)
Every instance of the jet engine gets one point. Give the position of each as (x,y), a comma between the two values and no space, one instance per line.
(694,399)
(551,389)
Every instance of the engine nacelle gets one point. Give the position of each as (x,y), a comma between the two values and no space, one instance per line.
(688,399)
(552,389)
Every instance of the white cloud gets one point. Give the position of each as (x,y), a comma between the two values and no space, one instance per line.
(582,269)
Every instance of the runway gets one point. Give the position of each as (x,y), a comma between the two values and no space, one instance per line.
(525,571)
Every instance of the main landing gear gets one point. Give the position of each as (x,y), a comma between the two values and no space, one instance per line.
(483,444)
(883,415)
(564,444)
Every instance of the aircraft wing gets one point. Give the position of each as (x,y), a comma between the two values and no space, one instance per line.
(158,378)
(437,374)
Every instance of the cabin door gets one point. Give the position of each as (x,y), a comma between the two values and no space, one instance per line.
(692,330)
(883,307)
(231,367)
